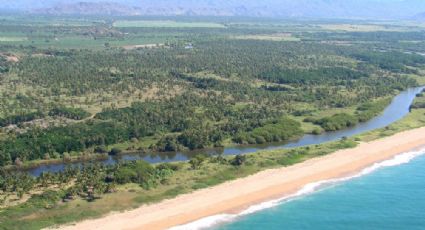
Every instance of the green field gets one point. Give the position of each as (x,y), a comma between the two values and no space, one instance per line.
(13,39)
(166,24)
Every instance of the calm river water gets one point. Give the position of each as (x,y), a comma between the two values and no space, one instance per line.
(398,108)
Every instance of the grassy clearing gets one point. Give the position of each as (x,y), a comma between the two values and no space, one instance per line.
(419,79)
(91,102)
(307,127)
(270,37)
(148,46)
(38,21)
(80,41)
(166,24)
(13,39)
(361,28)
(144,143)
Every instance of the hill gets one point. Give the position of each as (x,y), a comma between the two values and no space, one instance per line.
(350,9)
(89,8)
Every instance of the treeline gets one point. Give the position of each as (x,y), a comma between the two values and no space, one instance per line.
(90,181)
(70,113)
(308,76)
(340,121)
(188,121)
(222,90)
(4,65)
(337,122)
(243,67)
(279,130)
(370,110)
(397,62)
(17,119)
(55,141)
(387,37)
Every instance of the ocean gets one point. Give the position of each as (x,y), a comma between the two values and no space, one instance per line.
(387,195)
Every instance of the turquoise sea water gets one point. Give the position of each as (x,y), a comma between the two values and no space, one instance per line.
(390,197)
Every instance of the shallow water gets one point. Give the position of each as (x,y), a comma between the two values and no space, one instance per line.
(398,108)
(387,195)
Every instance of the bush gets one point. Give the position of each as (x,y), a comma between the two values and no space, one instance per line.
(309,119)
(316,131)
(115,151)
(238,160)
(196,162)
(337,122)
(125,175)
(139,172)
(168,166)
(418,105)
(71,113)
(100,149)
(167,144)
(18,119)
(260,140)
(273,131)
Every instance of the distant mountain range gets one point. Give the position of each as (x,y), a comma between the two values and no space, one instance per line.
(89,8)
(350,9)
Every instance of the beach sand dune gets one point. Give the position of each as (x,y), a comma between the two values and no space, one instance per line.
(234,196)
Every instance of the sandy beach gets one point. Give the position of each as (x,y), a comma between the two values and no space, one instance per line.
(237,195)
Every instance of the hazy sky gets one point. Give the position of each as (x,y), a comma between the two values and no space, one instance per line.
(309,8)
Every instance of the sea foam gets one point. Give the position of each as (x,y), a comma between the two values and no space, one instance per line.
(310,188)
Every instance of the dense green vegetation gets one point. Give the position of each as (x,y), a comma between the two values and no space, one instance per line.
(4,66)
(16,119)
(71,88)
(67,204)
(392,61)
(95,183)
(280,130)
(337,122)
(71,113)
(369,110)
(303,76)
(218,91)
(89,182)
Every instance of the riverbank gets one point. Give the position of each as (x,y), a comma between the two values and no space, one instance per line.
(396,110)
(234,196)
(30,165)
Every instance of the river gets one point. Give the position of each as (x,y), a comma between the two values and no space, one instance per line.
(397,109)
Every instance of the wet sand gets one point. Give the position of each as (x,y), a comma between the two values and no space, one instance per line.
(237,195)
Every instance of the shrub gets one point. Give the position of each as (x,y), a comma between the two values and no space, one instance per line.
(337,122)
(100,149)
(238,160)
(71,113)
(115,151)
(196,162)
(168,166)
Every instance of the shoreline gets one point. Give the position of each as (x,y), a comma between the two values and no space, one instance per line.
(235,196)
(306,190)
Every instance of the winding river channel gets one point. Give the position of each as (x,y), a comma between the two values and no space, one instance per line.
(397,109)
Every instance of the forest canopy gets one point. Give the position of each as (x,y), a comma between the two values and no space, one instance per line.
(180,89)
